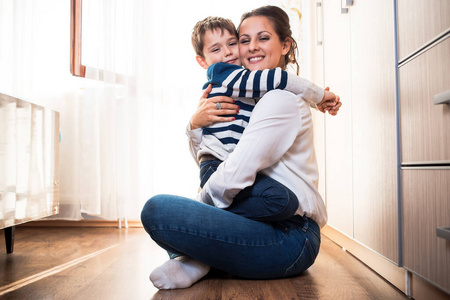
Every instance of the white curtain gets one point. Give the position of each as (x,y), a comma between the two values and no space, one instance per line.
(123,127)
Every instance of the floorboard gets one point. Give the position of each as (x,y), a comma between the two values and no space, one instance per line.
(111,263)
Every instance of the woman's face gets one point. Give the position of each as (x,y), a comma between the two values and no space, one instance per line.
(259,46)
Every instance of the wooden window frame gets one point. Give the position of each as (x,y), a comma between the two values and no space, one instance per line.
(76,68)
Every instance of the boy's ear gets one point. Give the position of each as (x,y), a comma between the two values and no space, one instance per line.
(286,46)
(201,61)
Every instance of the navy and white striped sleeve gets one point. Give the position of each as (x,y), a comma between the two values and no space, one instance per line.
(234,81)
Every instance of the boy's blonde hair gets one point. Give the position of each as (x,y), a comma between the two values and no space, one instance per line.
(210,23)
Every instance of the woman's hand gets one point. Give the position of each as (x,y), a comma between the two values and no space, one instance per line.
(213,110)
(330,102)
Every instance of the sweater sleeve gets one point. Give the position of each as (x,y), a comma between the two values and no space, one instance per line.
(194,138)
(234,81)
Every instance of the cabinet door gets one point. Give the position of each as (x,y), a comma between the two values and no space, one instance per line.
(426,206)
(361,160)
(420,21)
(425,126)
(338,129)
(374,126)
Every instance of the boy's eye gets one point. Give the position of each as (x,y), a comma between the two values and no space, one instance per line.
(215,50)
(233,43)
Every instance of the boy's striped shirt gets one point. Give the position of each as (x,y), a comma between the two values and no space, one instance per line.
(246,87)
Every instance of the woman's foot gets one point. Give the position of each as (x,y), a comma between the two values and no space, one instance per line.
(178,273)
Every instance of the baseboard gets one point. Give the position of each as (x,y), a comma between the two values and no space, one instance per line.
(419,288)
(385,268)
(84,223)
(422,289)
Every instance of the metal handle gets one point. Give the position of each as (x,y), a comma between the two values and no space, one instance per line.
(319,28)
(344,10)
(443,232)
(442,98)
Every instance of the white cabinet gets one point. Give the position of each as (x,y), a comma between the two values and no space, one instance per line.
(29,152)
(424,32)
(424,125)
(338,130)
(426,207)
(419,23)
(361,151)
(372,142)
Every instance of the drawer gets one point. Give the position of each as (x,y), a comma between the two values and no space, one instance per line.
(419,22)
(425,127)
(426,206)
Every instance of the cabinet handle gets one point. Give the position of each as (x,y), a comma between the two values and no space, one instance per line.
(344,10)
(319,20)
(443,232)
(442,98)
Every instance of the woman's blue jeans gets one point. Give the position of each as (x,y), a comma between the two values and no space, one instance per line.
(230,242)
(266,200)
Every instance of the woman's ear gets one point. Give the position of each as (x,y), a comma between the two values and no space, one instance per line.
(201,61)
(286,46)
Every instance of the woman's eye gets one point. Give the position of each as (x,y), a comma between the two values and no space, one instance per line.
(264,38)
(244,41)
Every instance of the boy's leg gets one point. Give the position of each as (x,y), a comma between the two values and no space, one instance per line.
(207,168)
(266,200)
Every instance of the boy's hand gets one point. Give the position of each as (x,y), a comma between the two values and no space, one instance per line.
(330,103)
(208,111)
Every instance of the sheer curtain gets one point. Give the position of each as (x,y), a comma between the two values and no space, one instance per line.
(123,126)
(147,86)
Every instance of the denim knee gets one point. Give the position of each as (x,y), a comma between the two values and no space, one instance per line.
(146,213)
(150,210)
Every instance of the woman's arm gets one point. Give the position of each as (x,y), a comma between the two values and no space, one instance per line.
(273,128)
(207,112)
(206,115)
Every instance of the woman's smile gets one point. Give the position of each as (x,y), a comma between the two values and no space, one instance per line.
(255,59)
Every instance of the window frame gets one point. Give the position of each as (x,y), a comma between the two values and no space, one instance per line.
(76,68)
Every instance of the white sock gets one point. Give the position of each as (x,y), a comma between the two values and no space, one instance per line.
(178,273)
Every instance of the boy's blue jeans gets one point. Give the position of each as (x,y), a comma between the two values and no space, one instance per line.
(229,242)
(265,200)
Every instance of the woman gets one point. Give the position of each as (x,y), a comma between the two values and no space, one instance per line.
(279,142)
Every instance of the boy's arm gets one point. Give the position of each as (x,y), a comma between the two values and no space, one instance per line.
(234,81)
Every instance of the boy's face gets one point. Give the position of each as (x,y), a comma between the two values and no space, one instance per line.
(219,46)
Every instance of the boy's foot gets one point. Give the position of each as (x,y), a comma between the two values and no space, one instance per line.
(178,273)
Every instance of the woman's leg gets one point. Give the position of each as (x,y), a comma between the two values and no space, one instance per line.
(266,200)
(229,242)
(178,273)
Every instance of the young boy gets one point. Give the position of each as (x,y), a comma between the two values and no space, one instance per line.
(215,42)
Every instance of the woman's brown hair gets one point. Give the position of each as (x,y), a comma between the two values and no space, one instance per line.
(280,22)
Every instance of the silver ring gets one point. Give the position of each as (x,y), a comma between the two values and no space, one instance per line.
(218,105)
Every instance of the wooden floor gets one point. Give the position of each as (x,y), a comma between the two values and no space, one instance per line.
(110,263)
